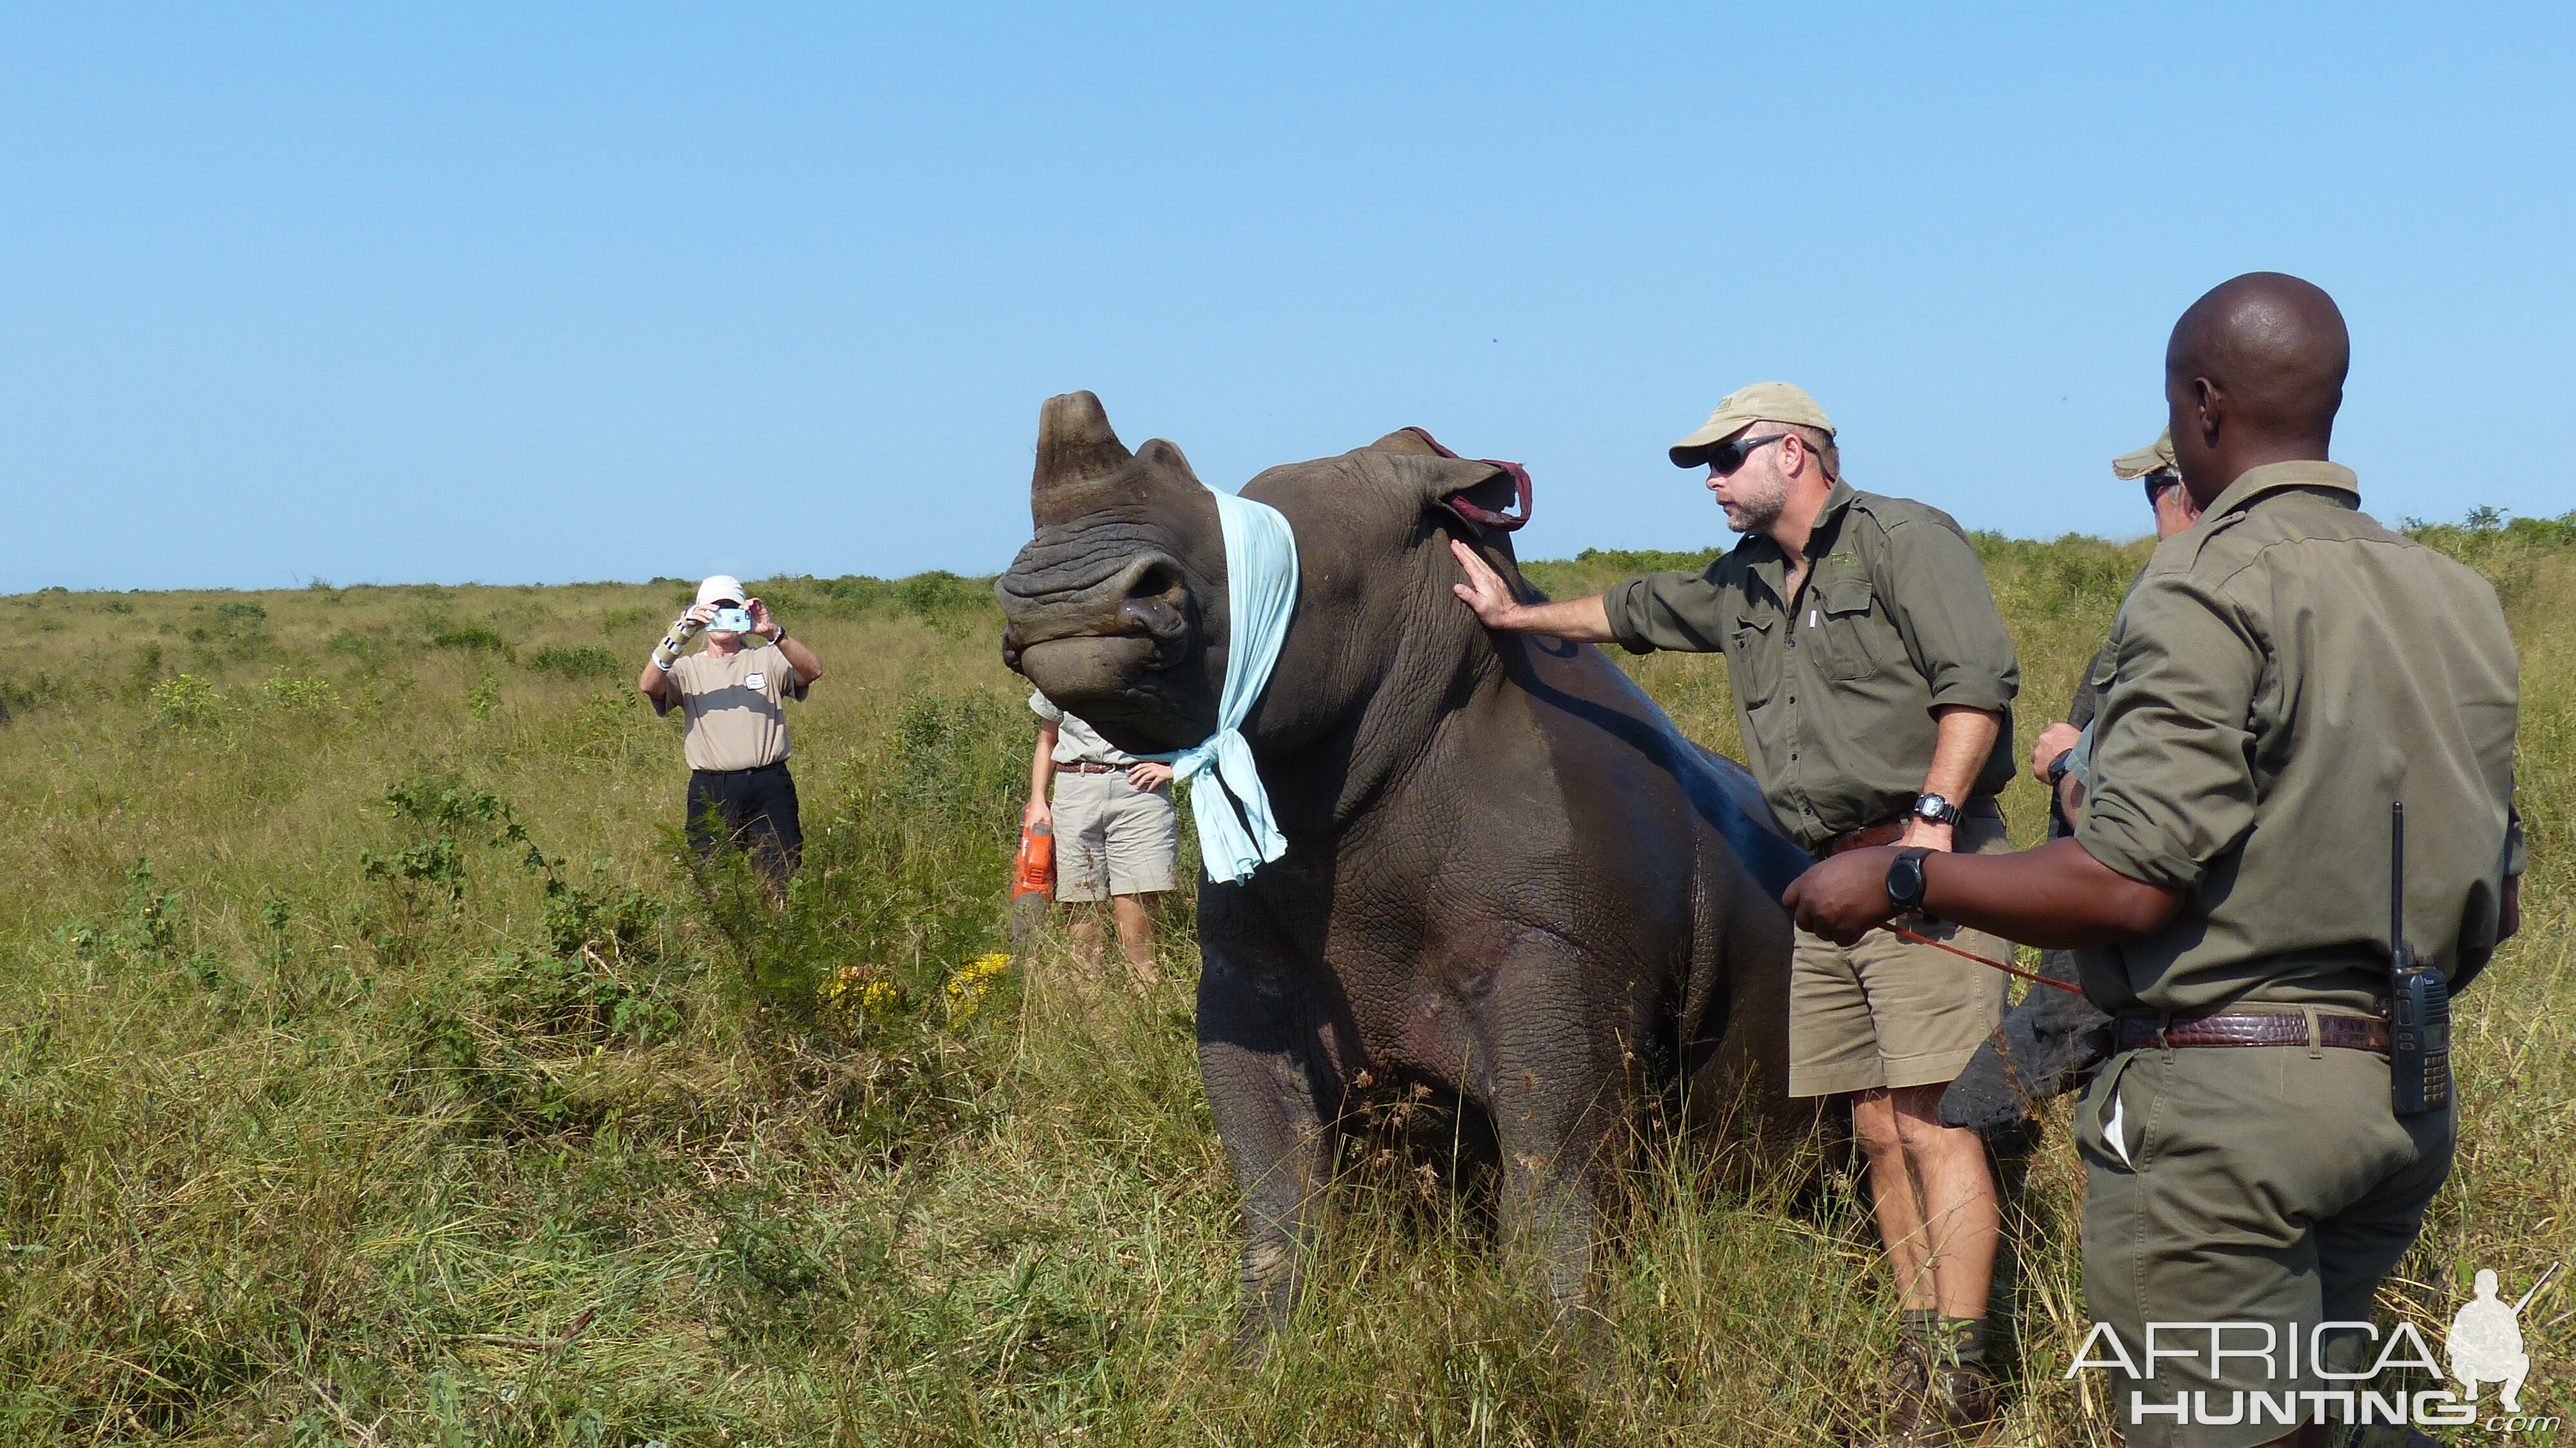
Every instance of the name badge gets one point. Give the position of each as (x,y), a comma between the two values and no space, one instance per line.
(755,681)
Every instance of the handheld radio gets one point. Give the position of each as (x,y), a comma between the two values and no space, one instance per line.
(2419,1001)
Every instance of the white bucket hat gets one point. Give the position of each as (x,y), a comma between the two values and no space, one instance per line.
(723,588)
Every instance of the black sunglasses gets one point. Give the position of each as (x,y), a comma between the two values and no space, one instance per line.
(1724,459)
(2158,481)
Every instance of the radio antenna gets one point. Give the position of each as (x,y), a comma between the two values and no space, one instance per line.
(2397,881)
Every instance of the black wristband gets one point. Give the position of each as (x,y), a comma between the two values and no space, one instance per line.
(2057,767)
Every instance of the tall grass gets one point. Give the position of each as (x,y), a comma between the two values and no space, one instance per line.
(376,1068)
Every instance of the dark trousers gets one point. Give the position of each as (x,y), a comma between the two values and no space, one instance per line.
(753,809)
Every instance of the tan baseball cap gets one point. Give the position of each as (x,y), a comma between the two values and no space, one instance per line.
(1745,406)
(2157,454)
(723,588)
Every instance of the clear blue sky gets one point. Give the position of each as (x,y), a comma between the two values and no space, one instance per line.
(518,293)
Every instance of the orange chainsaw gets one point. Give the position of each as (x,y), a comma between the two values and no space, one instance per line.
(1032,881)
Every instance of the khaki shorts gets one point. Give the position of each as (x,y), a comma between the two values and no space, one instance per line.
(1889,1012)
(1112,838)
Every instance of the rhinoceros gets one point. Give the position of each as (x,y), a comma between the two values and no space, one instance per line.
(1508,877)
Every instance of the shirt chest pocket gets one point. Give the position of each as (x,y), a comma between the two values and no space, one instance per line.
(1844,625)
(1753,658)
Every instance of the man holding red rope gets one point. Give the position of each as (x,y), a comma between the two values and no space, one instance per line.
(2285,671)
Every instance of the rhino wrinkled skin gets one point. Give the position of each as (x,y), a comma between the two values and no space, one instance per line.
(1509,877)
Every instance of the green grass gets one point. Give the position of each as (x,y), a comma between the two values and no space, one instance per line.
(373,1070)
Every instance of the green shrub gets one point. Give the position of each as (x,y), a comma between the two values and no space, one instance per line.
(576,661)
(474,638)
(300,695)
(905,882)
(365,648)
(186,703)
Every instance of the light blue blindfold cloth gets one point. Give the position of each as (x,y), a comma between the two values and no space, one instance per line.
(1261,593)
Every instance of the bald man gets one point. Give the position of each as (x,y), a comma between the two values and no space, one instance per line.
(2286,669)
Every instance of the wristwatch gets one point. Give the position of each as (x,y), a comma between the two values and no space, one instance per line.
(2057,767)
(1905,881)
(1933,809)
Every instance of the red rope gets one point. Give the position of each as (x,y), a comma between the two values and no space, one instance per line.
(1979,959)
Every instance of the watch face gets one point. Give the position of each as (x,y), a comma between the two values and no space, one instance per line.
(1905,880)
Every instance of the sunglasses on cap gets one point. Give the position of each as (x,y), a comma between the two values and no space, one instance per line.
(1725,458)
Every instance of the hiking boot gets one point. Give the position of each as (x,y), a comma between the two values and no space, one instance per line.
(1959,1411)
(1909,1383)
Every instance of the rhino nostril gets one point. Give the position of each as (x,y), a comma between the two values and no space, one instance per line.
(1155,616)
(1157,580)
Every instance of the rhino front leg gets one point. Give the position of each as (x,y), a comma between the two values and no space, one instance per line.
(1555,1112)
(1262,1085)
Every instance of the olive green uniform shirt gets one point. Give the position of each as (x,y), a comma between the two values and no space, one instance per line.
(2285,669)
(1834,689)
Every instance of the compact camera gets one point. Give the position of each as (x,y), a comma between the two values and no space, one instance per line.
(731,620)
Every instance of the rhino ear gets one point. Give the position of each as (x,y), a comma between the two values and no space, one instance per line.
(1411,442)
(1076,444)
(1476,491)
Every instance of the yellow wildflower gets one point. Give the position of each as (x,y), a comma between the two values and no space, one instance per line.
(972,982)
(856,994)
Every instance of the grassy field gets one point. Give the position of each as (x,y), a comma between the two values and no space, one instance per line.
(373,1071)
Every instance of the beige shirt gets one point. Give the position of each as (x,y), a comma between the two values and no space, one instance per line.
(734,706)
(1075,741)
(2284,670)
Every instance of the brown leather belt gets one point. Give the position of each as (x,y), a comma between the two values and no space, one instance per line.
(1888,832)
(1093,768)
(2252,1028)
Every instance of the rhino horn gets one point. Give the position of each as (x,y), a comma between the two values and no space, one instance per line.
(1076,445)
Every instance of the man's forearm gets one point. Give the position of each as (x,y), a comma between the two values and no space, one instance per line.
(1963,740)
(1583,620)
(2055,897)
(1042,767)
(800,658)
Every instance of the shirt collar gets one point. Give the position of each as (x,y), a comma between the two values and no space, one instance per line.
(1771,565)
(2273,477)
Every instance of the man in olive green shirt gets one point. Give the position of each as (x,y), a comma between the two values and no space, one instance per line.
(2287,669)
(1873,686)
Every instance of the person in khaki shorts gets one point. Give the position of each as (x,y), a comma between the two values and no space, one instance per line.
(1873,688)
(1116,837)
(2285,670)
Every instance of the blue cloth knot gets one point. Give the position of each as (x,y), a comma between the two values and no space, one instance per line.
(1261,594)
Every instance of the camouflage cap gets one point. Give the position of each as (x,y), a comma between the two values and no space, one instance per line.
(1740,409)
(2157,454)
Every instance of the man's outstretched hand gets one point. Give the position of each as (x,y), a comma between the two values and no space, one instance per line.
(2055,897)
(1843,898)
(1484,591)
(1582,620)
